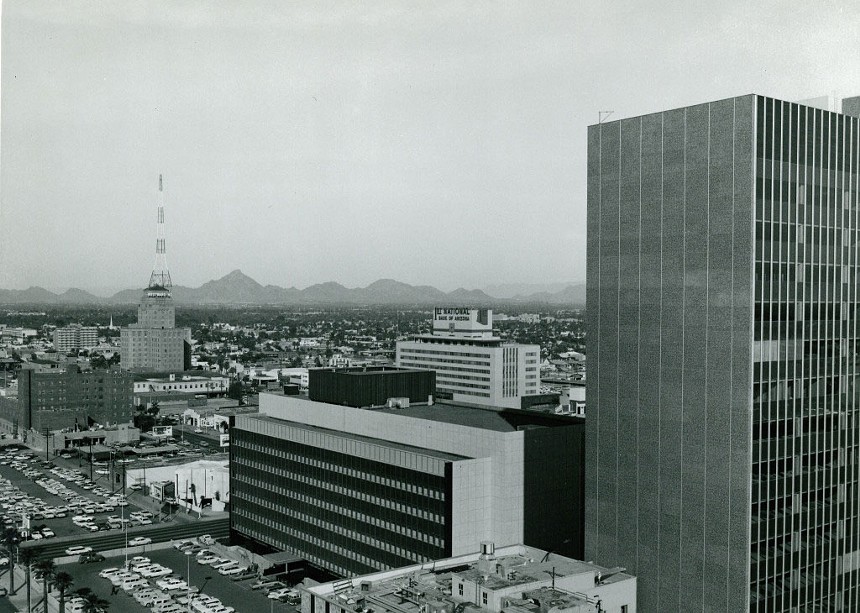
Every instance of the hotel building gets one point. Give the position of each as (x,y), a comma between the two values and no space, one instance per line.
(154,343)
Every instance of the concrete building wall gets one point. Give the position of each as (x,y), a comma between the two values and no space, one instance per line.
(471,501)
(668,454)
(505,448)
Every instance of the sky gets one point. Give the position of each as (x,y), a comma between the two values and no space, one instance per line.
(439,143)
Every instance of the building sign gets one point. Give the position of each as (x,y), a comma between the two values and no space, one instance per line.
(442,314)
(462,319)
(224,440)
(162,431)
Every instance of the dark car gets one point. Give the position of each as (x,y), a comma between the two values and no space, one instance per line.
(90,556)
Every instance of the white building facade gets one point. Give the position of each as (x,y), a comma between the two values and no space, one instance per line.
(472,364)
(75,336)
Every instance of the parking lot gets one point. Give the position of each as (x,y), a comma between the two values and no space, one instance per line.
(59,496)
(237,595)
(52,496)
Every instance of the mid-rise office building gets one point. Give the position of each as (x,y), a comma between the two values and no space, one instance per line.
(472,364)
(59,399)
(357,490)
(513,579)
(722,432)
(75,337)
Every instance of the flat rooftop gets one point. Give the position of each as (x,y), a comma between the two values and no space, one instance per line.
(428,586)
(165,376)
(495,419)
(461,415)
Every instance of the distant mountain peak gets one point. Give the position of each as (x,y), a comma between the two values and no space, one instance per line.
(237,288)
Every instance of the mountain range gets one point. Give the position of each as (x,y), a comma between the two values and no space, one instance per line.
(238,288)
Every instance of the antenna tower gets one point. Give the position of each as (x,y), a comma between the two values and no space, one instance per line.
(160,276)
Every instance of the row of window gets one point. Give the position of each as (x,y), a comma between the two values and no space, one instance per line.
(435,365)
(240,493)
(333,467)
(339,489)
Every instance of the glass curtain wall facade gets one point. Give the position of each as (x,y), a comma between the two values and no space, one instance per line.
(805,548)
(721,457)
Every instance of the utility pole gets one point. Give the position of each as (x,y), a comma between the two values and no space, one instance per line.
(91,459)
(47,457)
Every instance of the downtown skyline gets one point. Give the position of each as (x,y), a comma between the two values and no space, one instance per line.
(347,142)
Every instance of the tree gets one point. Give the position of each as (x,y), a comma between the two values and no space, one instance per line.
(235,391)
(11,539)
(63,581)
(93,603)
(153,408)
(45,570)
(98,362)
(26,557)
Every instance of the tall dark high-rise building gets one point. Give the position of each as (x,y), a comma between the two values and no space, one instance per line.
(722,431)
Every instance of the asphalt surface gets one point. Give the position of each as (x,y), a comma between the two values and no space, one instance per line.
(231,593)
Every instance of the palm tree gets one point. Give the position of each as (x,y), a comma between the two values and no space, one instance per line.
(93,603)
(45,570)
(63,581)
(26,558)
(11,539)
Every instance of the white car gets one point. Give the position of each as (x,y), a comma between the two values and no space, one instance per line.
(134,584)
(224,563)
(156,571)
(78,550)
(139,540)
(122,576)
(171,584)
(107,573)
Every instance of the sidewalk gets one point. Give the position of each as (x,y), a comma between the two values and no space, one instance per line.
(19,598)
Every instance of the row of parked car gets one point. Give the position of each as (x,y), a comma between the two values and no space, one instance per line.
(274,589)
(159,589)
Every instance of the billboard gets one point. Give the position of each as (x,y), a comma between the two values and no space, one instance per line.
(462,319)
(162,431)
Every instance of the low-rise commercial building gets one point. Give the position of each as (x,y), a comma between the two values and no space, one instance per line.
(193,382)
(513,579)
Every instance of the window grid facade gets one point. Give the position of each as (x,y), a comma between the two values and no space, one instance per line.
(346,513)
(805,545)
(722,449)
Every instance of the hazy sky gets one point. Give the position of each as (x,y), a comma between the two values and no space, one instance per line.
(431,142)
